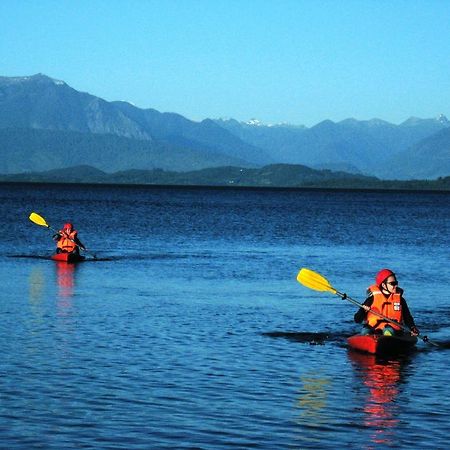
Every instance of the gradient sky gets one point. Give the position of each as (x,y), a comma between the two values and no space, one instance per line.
(296,61)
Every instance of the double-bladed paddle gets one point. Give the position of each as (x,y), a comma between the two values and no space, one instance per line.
(317,282)
(39,220)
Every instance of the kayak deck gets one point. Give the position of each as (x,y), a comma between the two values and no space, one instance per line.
(377,344)
(67,257)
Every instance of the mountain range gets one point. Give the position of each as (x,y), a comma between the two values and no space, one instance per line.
(373,147)
(45,124)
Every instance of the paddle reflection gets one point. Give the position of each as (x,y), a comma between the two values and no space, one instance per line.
(313,395)
(312,399)
(36,292)
(36,284)
(382,380)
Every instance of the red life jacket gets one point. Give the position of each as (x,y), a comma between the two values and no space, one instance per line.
(390,307)
(66,243)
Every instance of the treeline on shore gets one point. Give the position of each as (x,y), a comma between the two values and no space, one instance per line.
(274,176)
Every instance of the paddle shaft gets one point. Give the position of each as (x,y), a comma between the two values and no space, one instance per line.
(381,316)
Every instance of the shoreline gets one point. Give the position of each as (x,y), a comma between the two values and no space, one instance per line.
(231,187)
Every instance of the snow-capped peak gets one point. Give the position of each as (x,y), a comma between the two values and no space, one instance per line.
(443,119)
(254,122)
(38,77)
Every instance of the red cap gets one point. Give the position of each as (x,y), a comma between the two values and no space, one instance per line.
(382,275)
(68,226)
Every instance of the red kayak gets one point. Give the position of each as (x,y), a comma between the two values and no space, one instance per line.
(377,344)
(68,257)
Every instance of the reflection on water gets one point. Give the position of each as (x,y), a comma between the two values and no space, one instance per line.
(39,292)
(312,401)
(313,395)
(36,283)
(382,379)
(65,276)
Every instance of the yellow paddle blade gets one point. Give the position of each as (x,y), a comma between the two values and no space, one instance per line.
(38,220)
(315,281)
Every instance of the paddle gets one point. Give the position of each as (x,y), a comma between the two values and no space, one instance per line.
(39,220)
(317,282)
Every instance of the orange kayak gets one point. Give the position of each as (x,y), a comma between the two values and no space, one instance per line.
(68,257)
(377,344)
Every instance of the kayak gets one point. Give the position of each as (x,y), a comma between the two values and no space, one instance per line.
(377,344)
(67,257)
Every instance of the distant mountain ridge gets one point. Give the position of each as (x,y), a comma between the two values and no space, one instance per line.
(354,145)
(40,102)
(60,126)
(25,150)
(427,159)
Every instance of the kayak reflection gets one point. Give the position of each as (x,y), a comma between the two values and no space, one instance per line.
(65,275)
(382,380)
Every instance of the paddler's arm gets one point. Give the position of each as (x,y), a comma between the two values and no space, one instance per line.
(360,315)
(408,318)
(79,243)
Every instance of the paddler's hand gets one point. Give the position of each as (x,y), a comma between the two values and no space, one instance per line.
(415,331)
(365,308)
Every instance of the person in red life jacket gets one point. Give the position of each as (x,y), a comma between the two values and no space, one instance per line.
(386,298)
(67,240)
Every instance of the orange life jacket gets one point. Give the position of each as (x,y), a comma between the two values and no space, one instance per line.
(390,307)
(66,243)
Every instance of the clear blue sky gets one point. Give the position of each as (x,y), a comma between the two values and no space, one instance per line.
(296,61)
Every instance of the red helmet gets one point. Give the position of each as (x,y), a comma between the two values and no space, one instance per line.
(382,275)
(68,227)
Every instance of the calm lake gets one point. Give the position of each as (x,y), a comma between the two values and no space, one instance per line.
(190,330)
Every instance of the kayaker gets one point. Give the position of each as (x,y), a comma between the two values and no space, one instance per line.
(67,240)
(386,298)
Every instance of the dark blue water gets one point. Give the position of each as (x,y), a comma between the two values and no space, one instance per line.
(190,330)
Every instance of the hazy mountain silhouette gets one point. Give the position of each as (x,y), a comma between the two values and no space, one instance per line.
(428,159)
(45,124)
(351,145)
(42,103)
